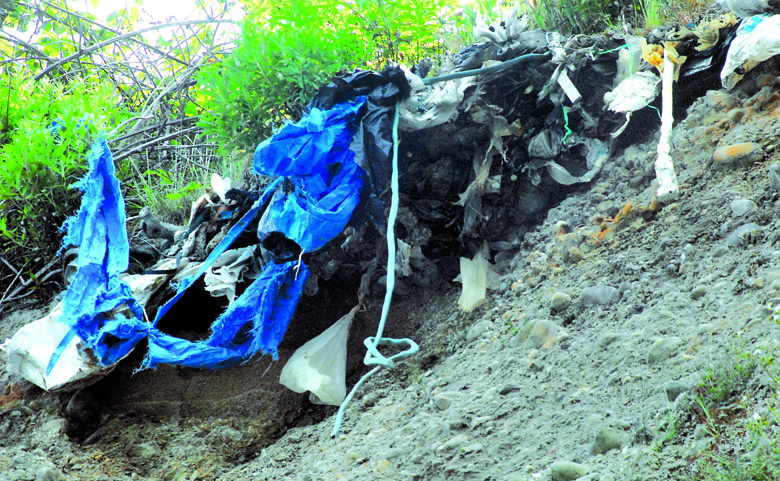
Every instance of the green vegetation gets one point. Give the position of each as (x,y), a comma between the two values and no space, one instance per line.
(748,439)
(39,162)
(65,79)
(735,410)
(288,49)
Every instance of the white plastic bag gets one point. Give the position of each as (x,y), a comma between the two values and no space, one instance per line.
(319,366)
(758,39)
(473,276)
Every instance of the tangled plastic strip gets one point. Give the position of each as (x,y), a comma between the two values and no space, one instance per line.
(373,356)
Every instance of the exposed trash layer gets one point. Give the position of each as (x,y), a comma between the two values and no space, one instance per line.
(612,297)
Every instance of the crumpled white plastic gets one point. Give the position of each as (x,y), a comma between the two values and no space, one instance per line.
(229,269)
(29,351)
(511,25)
(632,94)
(220,186)
(758,39)
(319,366)
(428,107)
(474,277)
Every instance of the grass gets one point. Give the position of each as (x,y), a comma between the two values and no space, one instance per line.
(750,452)
(737,403)
(651,12)
(170,191)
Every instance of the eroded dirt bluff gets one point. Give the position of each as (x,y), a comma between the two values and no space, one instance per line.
(611,309)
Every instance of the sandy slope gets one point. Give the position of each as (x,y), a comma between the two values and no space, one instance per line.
(548,372)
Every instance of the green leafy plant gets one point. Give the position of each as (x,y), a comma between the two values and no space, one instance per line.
(712,427)
(753,452)
(576,16)
(288,49)
(728,377)
(48,128)
(747,439)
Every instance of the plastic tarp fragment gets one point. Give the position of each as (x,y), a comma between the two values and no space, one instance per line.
(98,229)
(231,236)
(323,182)
(255,322)
(372,140)
(98,322)
(224,347)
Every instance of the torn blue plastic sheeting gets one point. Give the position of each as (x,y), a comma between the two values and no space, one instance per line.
(231,236)
(255,322)
(324,181)
(310,203)
(313,199)
(372,142)
(98,230)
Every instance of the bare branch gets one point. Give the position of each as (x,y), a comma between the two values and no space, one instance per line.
(142,147)
(117,32)
(100,45)
(13,39)
(153,127)
(38,276)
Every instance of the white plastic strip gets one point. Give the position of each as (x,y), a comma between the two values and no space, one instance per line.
(568,87)
(664,169)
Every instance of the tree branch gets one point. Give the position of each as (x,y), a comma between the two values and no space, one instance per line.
(135,150)
(117,32)
(102,44)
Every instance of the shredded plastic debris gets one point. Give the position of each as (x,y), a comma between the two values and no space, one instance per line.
(523,114)
(473,276)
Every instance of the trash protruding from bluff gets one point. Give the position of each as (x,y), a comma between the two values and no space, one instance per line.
(499,136)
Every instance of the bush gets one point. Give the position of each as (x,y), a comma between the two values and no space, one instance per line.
(39,162)
(288,49)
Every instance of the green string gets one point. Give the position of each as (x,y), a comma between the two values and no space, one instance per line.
(630,58)
(566,123)
(656,110)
